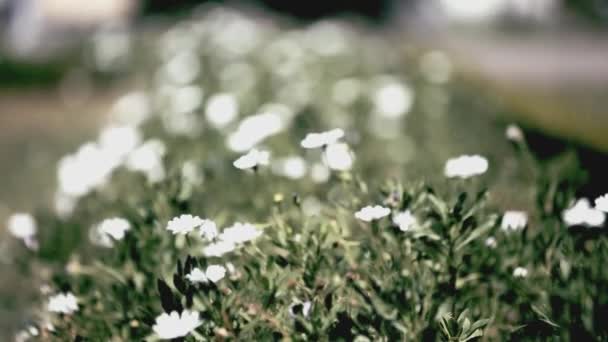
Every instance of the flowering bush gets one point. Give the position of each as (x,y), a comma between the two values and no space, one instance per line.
(159,233)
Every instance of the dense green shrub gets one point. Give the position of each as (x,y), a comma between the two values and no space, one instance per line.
(360,237)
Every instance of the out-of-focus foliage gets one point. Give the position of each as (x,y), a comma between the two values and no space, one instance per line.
(452,273)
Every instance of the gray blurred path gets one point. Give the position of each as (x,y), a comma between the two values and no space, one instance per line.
(557,82)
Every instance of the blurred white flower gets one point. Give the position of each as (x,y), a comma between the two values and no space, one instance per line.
(514,220)
(254,129)
(191,173)
(112,229)
(65,303)
(520,272)
(240,233)
(581,213)
(131,109)
(119,141)
(393,100)
(197,276)
(221,109)
(291,167)
(252,160)
(22,226)
(174,325)
(601,203)
(339,157)
(372,213)
(404,220)
(213,273)
(148,159)
(491,242)
(183,68)
(298,308)
(184,224)
(514,133)
(323,139)
(218,248)
(208,229)
(319,173)
(465,166)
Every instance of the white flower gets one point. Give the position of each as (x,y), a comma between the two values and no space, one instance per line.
(339,157)
(300,308)
(221,109)
(291,167)
(112,229)
(372,213)
(404,220)
(184,224)
(213,273)
(393,100)
(323,139)
(219,248)
(64,303)
(583,214)
(148,158)
(601,203)
(240,233)
(174,325)
(514,133)
(491,242)
(520,272)
(514,220)
(319,173)
(208,229)
(22,226)
(466,166)
(197,276)
(254,129)
(252,159)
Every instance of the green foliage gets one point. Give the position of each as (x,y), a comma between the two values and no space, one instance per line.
(316,272)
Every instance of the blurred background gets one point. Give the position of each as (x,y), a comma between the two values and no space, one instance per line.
(63,64)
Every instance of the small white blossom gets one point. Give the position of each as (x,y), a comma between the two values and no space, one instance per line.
(184,224)
(339,157)
(319,173)
(393,100)
(252,159)
(213,273)
(208,229)
(148,159)
(583,214)
(240,233)
(174,325)
(253,129)
(64,303)
(601,203)
(514,220)
(404,220)
(221,109)
(466,166)
(520,272)
(112,229)
(218,248)
(323,139)
(372,213)
(22,226)
(293,167)
(491,242)
(514,133)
